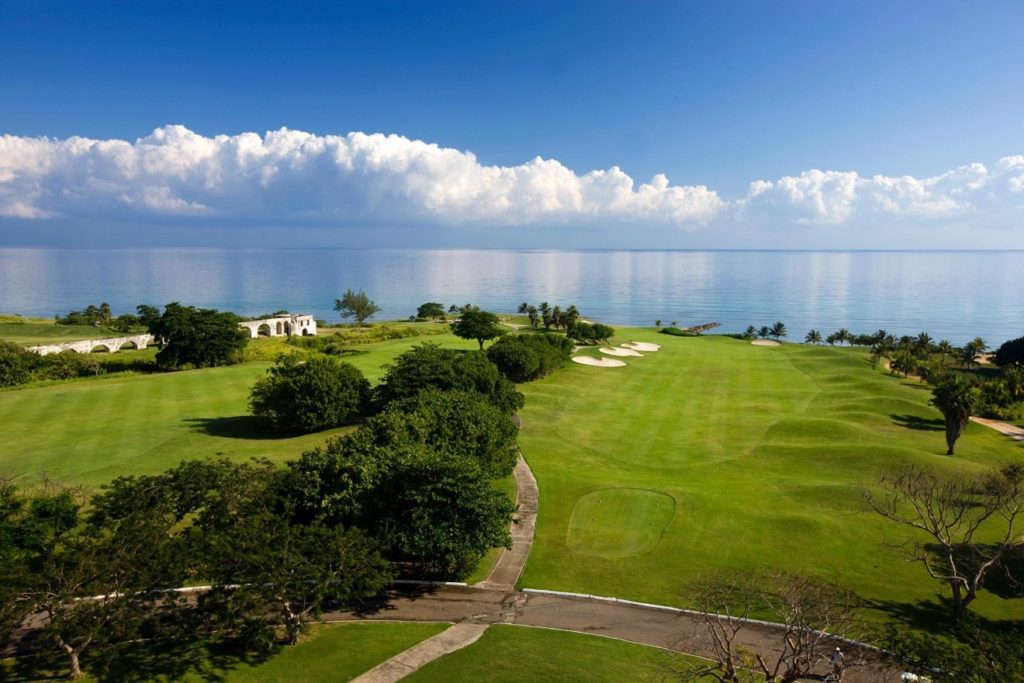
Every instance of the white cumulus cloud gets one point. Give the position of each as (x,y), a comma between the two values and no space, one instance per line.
(838,197)
(296,176)
(293,177)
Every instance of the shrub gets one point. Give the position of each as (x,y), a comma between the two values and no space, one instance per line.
(15,364)
(428,365)
(1010,353)
(526,357)
(309,395)
(589,333)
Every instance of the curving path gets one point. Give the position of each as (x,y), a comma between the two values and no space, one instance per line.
(495,600)
(510,564)
(1012,431)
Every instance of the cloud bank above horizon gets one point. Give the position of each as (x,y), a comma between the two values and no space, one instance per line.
(292,177)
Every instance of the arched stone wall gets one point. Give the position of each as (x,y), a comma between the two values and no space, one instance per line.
(110,344)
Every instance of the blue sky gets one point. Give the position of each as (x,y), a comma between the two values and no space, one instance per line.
(716,95)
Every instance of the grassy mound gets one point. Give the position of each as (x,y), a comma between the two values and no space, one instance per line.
(619,522)
(519,653)
(765,455)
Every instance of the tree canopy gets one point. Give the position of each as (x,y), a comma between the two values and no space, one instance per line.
(1010,353)
(478,325)
(431,309)
(429,365)
(526,357)
(310,394)
(200,337)
(356,305)
(590,333)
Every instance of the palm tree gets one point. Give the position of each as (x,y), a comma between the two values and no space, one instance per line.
(532,313)
(545,314)
(956,398)
(879,336)
(972,349)
(751,332)
(842,335)
(813,337)
(778,330)
(1014,378)
(903,361)
(523,308)
(657,323)
(945,348)
(571,315)
(556,317)
(675,323)
(764,332)
(923,342)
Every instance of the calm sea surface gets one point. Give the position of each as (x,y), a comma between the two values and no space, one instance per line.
(951,295)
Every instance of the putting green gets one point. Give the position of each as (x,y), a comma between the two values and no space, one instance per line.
(615,523)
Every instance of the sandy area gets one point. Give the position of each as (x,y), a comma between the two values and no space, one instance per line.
(619,352)
(765,342)
(599,362)
(641,346)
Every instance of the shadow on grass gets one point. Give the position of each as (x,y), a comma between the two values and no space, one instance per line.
(135,662)
(931,615)
(920,423)
(237,427)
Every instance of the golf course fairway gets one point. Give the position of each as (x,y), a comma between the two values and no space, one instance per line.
(763,453)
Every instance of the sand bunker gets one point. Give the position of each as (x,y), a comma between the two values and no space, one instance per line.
(619,352)
(599,362)
(641,346)
(765,342)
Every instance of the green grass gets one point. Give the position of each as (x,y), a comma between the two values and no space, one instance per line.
(614,522)
(518,653)
(333,652)
(763,451)
(30,331)
(91,430)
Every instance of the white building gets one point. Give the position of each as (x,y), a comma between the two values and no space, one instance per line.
(281,326)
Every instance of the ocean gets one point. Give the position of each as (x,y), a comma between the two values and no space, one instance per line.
(951,295)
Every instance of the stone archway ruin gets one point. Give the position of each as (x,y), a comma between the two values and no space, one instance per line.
(280,326)
(107,345)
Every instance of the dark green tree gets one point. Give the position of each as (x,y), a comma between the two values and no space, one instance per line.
(267,569)
(426,506)
(526,357)
(199,337)
(779,330)
(430,309)
(956,398)
(813,337)
(590,333)
(478,325)
(456,423)
(15,364)
(1010,353)
(356,305)
(310,394)
(147,315)
(429,365)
